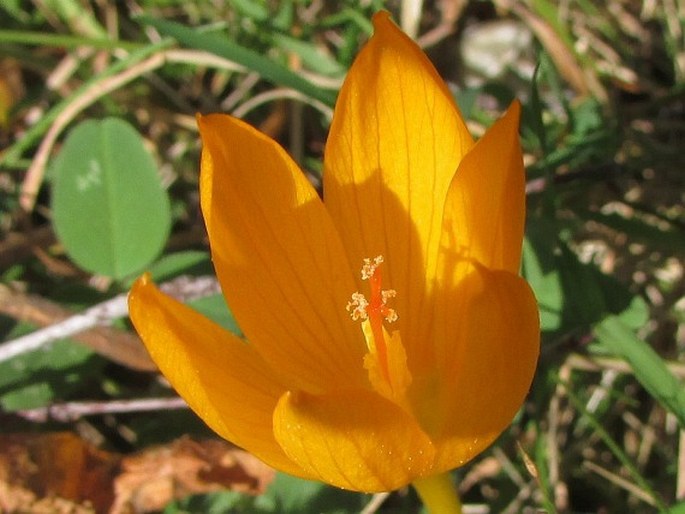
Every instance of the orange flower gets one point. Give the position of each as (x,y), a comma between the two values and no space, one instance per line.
(366,381)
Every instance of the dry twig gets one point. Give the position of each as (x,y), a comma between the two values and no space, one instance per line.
(183,288)
(72,411)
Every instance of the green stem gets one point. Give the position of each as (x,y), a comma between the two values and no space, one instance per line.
(438,494)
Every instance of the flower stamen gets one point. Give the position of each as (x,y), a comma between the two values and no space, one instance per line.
(375,310)
(357,306)
(362,309)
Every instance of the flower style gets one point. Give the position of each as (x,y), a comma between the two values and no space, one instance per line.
(366,381)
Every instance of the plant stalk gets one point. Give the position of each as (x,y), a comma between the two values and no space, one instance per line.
(438,494)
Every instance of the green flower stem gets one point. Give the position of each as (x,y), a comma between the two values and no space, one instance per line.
(438,494)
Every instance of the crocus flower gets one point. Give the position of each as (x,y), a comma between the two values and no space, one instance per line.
(388,336)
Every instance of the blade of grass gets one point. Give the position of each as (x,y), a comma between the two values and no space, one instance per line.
(648,367)
(224,47)
(12,156)
(542,477)
(78,19)
(613,447)
(24,37)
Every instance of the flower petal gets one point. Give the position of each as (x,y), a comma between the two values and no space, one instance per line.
(221,377)
(482,226)
(279,259)
(394,145)
(353,439)
(486,204)
(489,342)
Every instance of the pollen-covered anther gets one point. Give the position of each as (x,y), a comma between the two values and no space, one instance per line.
(376,308)
(370,265)
(357,307)
(388,293)
(389,314)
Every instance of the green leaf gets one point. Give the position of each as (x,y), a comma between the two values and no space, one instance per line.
(290,495)
(187,262)
(213,503)
(572,294)
(283,18)
(535,111)
(224,47)
(215,308)
(257,10)
(285,495)
(312,57)
(109,208)
(649,368)
(678,508)
(36,379)
(669,239)
(544,279)
(466,100)
(585,289)
(14,9)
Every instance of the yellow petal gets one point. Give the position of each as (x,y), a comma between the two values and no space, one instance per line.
(485,207)
(395,142)
(280,261)
(353,439)
(487,346)
(222,378)
(483,225)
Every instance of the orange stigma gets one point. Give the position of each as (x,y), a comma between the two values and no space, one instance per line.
(375,310)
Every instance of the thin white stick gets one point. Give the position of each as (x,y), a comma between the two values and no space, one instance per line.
(410,17)
(376,501)
(183,288)
(277,94)
(36,171)
(66,412)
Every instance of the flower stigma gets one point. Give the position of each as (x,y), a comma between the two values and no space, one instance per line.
(375,310)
